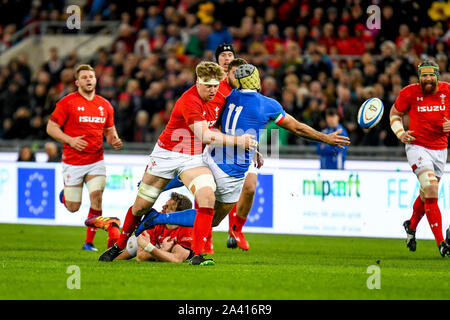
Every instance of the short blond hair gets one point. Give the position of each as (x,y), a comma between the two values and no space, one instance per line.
(208,70)
(83,67)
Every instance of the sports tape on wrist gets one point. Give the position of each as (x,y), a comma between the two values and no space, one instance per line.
(149,248)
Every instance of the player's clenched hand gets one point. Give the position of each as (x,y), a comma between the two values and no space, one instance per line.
(407,138)
(167,244)
(143,240)
(247,142)
(335,139)
(446,125)
(116,143)
(78,143)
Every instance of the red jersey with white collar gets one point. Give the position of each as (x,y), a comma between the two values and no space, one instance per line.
(78,116)
(181,235)
(426,114)
(191,108)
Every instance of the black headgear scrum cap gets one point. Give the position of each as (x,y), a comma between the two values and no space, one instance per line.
(222,48)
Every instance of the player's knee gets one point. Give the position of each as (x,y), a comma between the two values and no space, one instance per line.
(429,184)
(205,197)
(249,189)
(96,198)
(73,206)
(431,190)
(203,188)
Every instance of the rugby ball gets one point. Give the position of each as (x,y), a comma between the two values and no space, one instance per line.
(370,113)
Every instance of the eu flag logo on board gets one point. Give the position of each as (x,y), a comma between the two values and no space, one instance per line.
(261,214)
(36,193)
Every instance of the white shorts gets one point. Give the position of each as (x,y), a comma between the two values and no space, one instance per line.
(420,158)
(169,164)
(74,175)
(132,246)
(228,188)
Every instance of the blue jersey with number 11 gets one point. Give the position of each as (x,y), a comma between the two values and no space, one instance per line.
(246,111)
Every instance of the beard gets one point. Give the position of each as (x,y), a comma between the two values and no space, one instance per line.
(428,87)
(232,83)
(87,89)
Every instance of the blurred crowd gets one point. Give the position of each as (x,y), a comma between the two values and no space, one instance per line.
(312,55)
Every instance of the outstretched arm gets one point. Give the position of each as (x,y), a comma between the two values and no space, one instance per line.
(303,130)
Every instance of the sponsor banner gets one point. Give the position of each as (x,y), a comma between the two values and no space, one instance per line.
(364,202)
(349,203)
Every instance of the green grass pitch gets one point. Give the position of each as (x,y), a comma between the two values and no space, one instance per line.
(34,261)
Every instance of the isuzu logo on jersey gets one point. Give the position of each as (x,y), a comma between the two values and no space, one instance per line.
(430,108)
(92,119)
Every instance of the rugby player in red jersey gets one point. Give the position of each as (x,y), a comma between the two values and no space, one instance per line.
(80,120)
(426,143)
(168,243)
(178,152)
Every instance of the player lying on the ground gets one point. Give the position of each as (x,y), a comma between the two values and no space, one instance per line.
(426,144)
(187,217)
(167,243)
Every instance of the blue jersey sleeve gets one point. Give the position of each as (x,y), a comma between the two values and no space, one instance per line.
(274,111)
(174,183)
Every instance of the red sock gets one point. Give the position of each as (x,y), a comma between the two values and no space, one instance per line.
(434,218)
(418,212)
(129,225)
(239,223)
(113,235)
(231,217)
(202,228)
(209,247)
(90,232)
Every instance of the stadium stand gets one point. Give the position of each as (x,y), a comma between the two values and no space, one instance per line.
(312,55)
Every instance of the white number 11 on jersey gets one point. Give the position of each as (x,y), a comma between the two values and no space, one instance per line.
(232,130)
